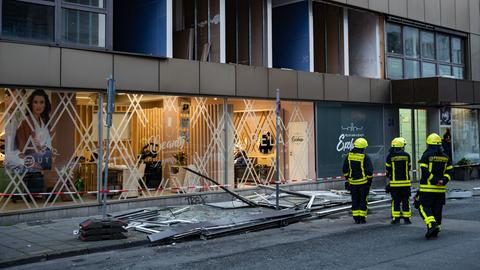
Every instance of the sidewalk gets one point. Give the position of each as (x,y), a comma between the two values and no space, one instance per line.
(49,239)
(45,240)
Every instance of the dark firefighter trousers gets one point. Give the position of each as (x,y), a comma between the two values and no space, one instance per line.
(400,202)
(359,200)
(431,206)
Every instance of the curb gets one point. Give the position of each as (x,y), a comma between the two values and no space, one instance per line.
(70,253)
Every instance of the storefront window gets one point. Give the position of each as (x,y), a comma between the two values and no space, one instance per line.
(27,20)
(46,138)
(465,135)
(337,128)
(255,140)
(51,146)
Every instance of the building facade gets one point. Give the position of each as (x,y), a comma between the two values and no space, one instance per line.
(196,82)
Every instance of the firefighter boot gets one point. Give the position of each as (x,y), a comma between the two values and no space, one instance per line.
(407,221)
(432,231)
(435,234)
(395,221)
(357,219)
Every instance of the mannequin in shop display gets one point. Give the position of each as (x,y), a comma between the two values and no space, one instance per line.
(239,162)
(447,143)
(153,168)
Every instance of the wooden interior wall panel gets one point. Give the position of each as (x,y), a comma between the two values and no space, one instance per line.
(203,132)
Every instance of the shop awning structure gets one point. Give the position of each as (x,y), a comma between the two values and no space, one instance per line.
(436,91)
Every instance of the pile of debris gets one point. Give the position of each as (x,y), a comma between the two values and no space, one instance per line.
(231,217)
(244,214)
(167,225)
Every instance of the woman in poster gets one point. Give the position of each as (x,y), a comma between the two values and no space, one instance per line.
(12,117)
(33,137)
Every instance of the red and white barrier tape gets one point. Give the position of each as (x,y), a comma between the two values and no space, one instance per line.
(329,178)
(109,191)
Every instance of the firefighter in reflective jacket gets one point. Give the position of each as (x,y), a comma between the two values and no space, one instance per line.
(358,170)
(398,166)
(436,173)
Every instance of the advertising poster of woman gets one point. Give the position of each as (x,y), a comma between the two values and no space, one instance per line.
(28,139)
(33,137)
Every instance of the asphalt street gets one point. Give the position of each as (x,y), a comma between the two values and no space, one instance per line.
(329,243)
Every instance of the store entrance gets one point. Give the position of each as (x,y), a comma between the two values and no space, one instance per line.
(413,127)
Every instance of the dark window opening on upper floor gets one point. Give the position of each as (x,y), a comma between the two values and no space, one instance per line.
(196,30)
(328,38)
(140,26)
(364,39)
(245,32)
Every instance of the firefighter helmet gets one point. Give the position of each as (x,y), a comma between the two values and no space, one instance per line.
(399,142)
(434,139)
(360,143)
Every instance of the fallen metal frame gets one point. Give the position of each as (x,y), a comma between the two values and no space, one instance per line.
(240,197)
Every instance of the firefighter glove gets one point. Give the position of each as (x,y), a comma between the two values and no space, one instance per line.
(347,185)
(416,201)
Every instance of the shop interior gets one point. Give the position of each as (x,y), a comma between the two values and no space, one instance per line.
(152,137)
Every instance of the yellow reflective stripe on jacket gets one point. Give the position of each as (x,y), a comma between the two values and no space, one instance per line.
(432,188)
(358,181)
(448,176)
(400,183)
(423,165)
(393,170)
(359,158)
(449,168)
(388,165)
(407,171)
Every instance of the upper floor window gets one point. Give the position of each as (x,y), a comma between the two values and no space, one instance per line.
(28,21)
(79,22)
(412,53)
(83,27)
(91,3)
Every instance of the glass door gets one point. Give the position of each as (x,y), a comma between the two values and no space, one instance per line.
(413,127)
